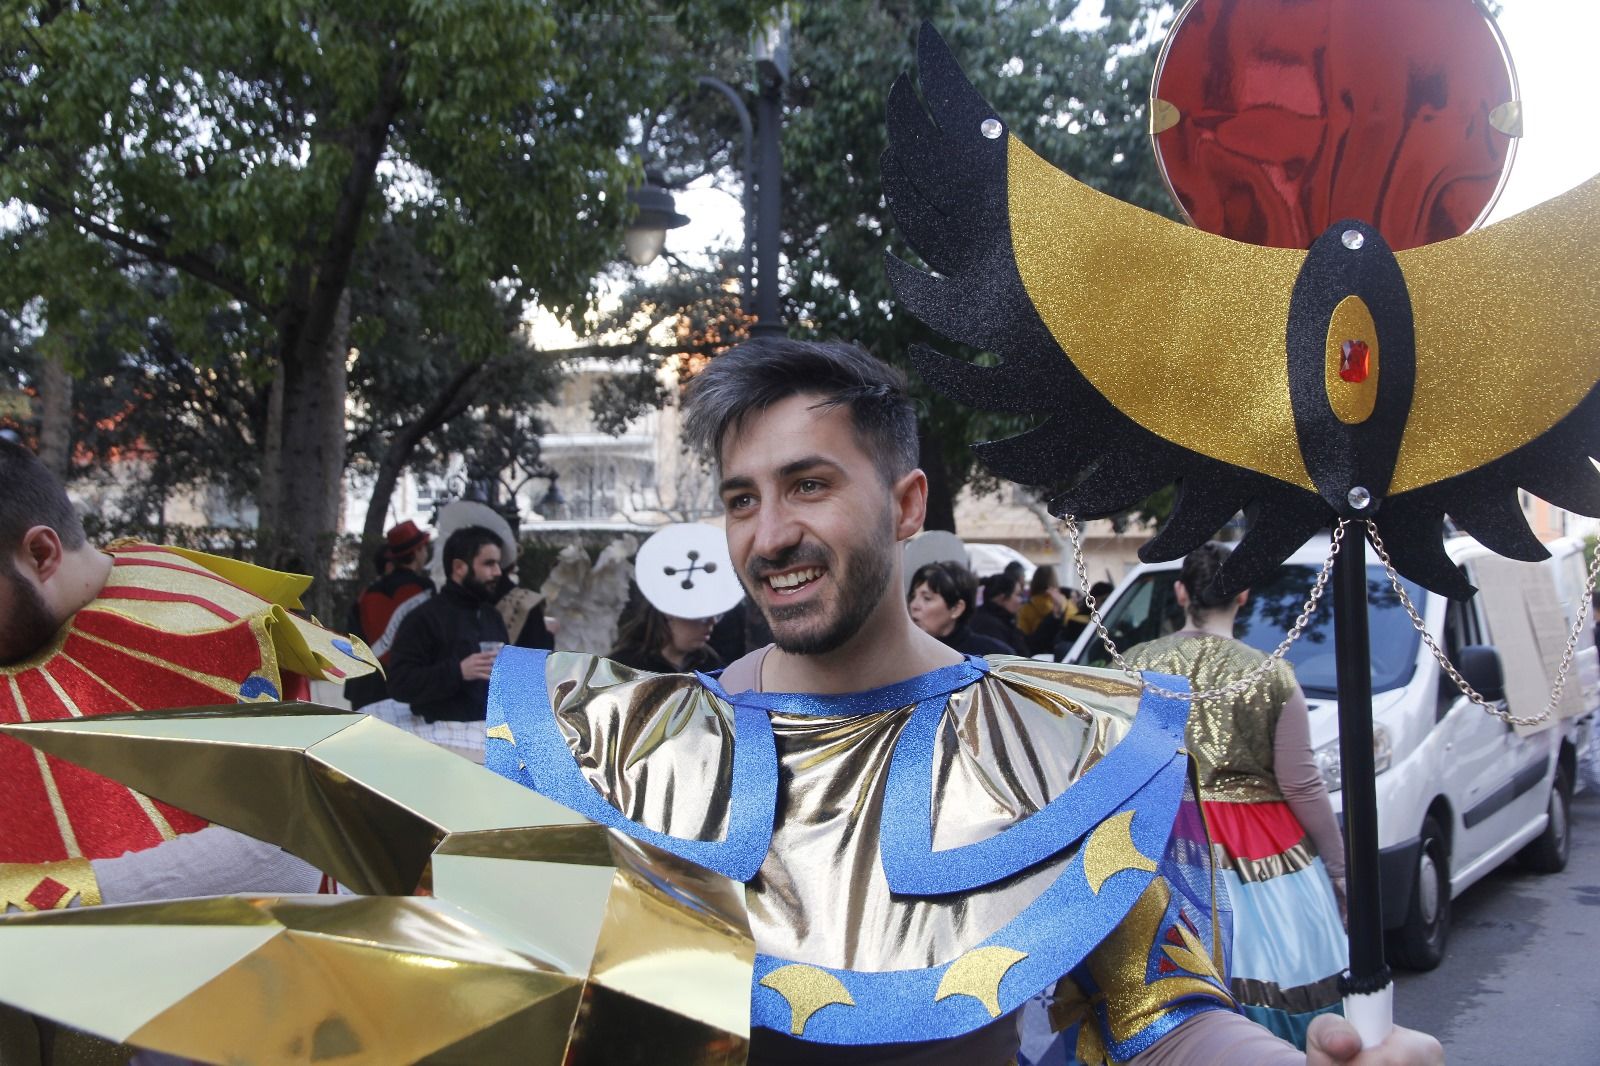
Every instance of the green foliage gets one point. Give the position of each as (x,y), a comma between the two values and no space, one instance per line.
(1077,95)
(445,162)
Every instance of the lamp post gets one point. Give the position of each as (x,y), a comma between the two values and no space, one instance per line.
(762,165)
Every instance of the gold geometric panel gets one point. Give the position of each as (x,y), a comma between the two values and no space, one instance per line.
(548,939)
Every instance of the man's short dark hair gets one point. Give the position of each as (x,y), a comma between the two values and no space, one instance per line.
(30,495)
(767,370)
(465,544)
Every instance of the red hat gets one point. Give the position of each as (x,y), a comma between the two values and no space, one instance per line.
(404,539)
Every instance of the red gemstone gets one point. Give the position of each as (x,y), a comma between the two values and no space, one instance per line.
(1173,936)
(1166,965)
(1355,361)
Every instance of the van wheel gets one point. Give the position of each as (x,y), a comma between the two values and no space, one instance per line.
(1547,853)
(1419,944)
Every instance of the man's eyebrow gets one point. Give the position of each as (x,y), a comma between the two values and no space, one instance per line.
(788,470)
(799,465)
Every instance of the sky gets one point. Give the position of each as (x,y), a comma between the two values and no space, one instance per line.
(1555,47)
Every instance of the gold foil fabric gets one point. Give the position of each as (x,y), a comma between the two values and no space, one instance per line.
(660,750)
(367,803)
(547,939)
(1230,739)
(1181,330)
(1505,327)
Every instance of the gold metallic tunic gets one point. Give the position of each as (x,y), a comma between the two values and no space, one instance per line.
(1230,739)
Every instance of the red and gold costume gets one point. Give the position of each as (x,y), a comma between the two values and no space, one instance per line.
(170,628)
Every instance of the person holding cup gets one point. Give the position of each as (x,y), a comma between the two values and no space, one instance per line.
(445,649)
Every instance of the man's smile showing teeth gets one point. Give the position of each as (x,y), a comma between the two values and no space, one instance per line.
(793,579)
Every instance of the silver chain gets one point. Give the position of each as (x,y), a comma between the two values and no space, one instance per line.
(1502,713)
(1248,681)
(1243,684)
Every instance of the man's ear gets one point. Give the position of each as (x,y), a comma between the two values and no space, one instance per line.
(911,504)
(41,552)
(458,570)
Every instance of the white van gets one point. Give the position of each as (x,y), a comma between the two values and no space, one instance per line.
(1459,792)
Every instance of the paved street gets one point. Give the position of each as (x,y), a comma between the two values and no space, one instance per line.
(1521,982)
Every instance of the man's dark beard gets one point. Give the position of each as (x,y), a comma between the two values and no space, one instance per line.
(29,625)
(478,590)
(861,586)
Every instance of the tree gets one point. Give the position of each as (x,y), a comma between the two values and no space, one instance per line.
(1077,94)
(255,149)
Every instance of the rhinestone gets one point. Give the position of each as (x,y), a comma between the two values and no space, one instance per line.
(1352,239)
(991,128)
(1355,361)
(1359,498)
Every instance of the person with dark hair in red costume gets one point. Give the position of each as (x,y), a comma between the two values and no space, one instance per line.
(135,627)
(403,585)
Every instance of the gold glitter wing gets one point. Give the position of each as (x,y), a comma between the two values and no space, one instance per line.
(547,938)
(1154,353)
(1506,398)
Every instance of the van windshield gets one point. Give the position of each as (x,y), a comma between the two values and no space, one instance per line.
(1147,609)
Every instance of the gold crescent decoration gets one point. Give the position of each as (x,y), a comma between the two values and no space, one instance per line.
(807,989)
(1110,850)
(978,974)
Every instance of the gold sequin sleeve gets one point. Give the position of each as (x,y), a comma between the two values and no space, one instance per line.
(1153,973)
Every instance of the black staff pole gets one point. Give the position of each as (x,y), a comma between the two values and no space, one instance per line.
(1368,990)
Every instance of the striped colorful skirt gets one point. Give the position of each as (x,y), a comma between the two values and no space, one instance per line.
(1289,945)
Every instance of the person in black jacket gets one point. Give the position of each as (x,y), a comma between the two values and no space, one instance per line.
(996,617)
(377,615)
(445,649)
(942,595)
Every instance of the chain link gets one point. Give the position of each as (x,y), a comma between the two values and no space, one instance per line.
(1496,709)
(1249,680)
(1242,684)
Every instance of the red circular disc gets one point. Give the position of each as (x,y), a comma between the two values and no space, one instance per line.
(1273,119)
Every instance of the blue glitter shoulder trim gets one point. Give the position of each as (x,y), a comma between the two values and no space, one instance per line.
(910,862)
(1050,938)
(519,697)
(940,682)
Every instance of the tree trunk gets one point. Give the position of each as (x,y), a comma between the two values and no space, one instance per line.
(55,415)
(313,446)
(269,493)
(941,501)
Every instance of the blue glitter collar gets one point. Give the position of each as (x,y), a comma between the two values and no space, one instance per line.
(923,687)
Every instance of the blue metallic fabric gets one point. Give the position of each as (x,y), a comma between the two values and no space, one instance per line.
(912,865)
(519,698)
(1057,931)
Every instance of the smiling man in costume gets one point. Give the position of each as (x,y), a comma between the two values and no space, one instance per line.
(927,841)
(138,627)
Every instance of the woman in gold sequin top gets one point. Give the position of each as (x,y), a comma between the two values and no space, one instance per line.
(1272,826)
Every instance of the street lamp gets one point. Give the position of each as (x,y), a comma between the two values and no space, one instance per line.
(763,226)
(647,233)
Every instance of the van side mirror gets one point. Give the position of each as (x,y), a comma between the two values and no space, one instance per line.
(1480,665)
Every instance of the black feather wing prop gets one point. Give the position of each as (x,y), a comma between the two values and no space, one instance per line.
(1294,386)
